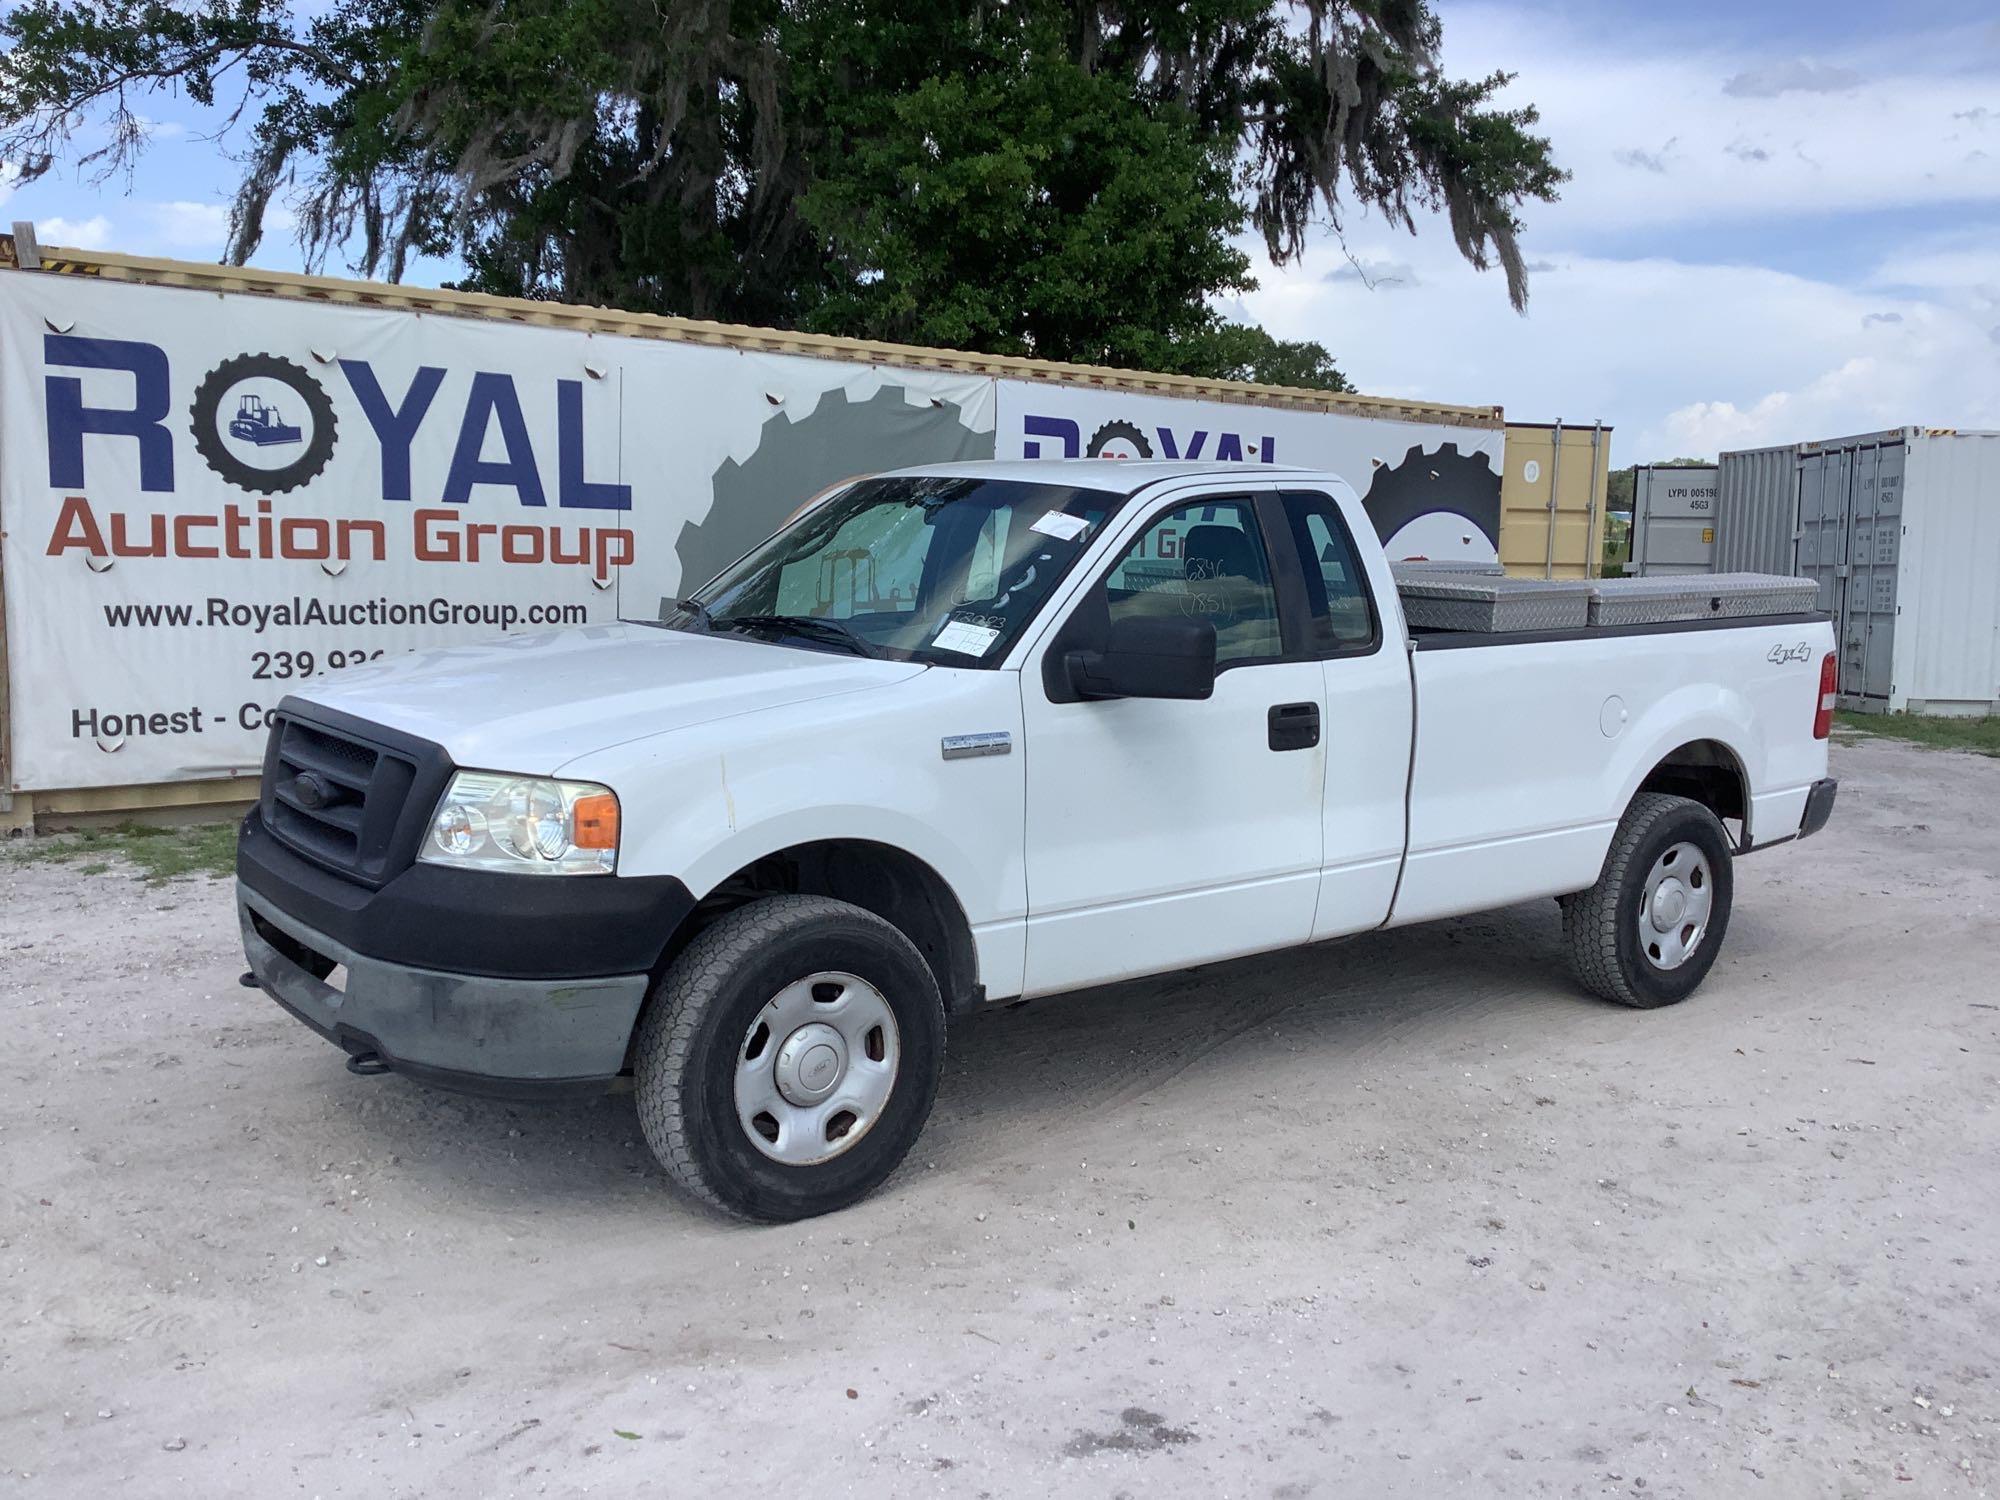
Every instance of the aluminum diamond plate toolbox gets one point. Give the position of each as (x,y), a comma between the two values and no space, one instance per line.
(1424,567)
(1712,596)
(1475,602)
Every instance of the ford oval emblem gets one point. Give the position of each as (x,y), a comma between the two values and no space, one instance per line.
(311,791)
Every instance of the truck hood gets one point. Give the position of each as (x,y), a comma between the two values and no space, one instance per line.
(531,702)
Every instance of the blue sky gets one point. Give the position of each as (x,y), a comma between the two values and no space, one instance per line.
(1784,224)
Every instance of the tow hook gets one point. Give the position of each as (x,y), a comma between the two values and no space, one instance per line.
(249,980)
(366,1064)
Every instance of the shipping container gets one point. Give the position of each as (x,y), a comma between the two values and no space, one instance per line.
(1552,499)
(1757,510)
(1673,520)
(1901,531)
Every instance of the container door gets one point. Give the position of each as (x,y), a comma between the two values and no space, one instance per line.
(1674,521)
(1860,547)
(1822,519)
(1873,570)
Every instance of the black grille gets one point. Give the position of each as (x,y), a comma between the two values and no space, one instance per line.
(339,798)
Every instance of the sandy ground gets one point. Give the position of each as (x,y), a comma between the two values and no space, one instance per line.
(1400,1216)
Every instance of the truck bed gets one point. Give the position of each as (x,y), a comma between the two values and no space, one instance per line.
(1527,755)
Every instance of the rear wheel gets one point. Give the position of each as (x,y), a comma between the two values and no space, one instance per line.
(1648,932)
(789,1058)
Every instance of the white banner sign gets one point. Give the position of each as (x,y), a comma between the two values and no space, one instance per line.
(1432,490)
(208,499)
(211,498)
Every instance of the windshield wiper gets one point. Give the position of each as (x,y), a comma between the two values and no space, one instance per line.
(700,612)
(830,631)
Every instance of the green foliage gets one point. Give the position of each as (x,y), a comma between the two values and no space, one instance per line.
(157,854)
(1050,177)
(1621,486)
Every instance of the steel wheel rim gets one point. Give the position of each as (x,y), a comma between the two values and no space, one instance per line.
(816,1067)
(1674,906)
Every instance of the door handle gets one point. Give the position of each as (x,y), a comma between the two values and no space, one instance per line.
(1294,726)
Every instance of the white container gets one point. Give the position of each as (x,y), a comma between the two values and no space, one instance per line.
(1673,520)
(1901,531)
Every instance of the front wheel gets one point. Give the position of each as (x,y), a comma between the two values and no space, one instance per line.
(1648,932)
(789,1058)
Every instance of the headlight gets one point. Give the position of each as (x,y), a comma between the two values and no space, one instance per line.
(528,825)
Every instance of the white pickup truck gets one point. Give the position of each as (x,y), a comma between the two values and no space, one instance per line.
(963,734)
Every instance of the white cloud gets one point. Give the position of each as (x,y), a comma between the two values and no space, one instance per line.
(1818,409)
(1680,356)
(93,233)
(1676,146)
(1798,75)
(186,225)
(1608,102)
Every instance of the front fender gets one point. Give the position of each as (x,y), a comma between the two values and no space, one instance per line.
(704,802)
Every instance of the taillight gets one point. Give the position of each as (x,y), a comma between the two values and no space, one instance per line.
(1829,689)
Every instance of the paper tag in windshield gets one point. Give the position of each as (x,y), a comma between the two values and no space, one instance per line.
(1060,525)
(967,640)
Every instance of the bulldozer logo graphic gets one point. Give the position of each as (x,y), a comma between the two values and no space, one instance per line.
(257,421)
(263,423)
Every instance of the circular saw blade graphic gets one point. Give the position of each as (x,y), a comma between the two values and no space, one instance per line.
(1432,488)
(798,457)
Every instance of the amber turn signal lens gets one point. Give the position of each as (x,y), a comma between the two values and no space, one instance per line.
(596,820)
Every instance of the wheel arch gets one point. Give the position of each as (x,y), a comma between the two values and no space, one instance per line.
(1707,771)
(904,890)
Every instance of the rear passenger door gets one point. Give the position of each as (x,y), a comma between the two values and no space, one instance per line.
(1368,719)
(1162,833)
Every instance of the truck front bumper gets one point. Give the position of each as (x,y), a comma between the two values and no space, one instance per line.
(514,985)
(516,1038)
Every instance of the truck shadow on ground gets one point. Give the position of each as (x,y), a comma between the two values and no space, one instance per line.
(1345,1000)
(1015,1070)
(1359,1008)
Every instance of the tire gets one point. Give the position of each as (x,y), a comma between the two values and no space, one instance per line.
(704,1016)
(1613,951)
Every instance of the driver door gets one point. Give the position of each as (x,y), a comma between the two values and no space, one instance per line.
(1163,833)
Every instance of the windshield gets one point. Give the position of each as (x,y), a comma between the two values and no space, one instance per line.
(930,568)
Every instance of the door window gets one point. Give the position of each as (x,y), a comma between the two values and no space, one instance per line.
(1341,608)
(1203,561)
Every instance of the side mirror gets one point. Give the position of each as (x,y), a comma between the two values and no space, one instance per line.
(1149,658)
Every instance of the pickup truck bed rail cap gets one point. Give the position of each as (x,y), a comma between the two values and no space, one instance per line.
(1450,640)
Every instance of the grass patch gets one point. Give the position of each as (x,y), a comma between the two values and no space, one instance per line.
(1981,736)
(161,854)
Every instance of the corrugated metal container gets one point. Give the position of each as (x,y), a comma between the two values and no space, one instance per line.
(1673,520)
(1900,530)
(1552,499)
(1757,511)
